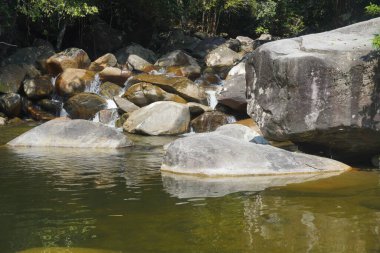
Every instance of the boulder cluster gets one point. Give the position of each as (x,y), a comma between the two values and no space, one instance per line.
(319,91)
(137,89)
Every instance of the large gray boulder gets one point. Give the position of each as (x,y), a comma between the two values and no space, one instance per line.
(159,118)
(63,132)
(320,90)
(219,155)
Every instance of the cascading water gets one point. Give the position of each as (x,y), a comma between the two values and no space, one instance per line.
(110,116)
(231,119)
(94,86)
(61,112)
(211,98)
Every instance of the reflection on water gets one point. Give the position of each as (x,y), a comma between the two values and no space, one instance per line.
(187,186)
(119,201)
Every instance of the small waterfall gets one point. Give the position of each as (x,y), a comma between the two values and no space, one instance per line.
(231,119)
(113,119)
(107,117)
(96,118)
(161,71)
(211,98)
(94,86)
(111,104)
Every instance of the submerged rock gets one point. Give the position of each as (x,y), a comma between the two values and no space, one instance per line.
(142,94)
(320,91)
(159,118)
(84,105)
(217,155)
(70,58)
(68,133)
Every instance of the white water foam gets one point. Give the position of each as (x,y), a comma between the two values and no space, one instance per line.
(94,85)
(231,119)
(211,98)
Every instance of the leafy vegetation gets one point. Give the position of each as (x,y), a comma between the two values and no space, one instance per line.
(374,10)
(282,18)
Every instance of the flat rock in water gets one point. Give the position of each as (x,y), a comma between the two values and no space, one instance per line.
(67,133)
(217,155)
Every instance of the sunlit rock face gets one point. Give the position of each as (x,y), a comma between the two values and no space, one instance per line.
(214,154)
(159,118)
(319,91)
(72,133)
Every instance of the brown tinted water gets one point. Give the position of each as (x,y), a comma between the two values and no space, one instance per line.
(119,201)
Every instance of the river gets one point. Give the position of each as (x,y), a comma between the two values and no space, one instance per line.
(118,200)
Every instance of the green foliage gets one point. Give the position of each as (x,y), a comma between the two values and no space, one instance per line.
(63,9)
(373,9)
(261,30)
(376,42)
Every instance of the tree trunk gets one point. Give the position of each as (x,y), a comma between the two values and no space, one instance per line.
(60,36)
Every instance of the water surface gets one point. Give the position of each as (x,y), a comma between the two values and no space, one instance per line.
(118,200)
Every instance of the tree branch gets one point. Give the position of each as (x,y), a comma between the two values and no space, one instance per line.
(7,44)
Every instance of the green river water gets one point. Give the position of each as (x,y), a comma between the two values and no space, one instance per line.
(120,201)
